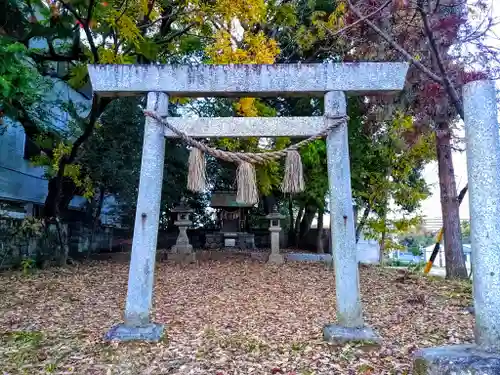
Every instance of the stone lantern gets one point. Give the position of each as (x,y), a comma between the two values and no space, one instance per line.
(275,228)
(182,250)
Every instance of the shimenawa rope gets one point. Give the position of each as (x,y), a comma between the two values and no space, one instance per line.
(293,181)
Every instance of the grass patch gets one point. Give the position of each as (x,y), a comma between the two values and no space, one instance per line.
(32,338)
(240,342)
(21,347)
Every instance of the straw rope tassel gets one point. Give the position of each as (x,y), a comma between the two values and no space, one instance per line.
(197,171)
(246,180)
(293,180)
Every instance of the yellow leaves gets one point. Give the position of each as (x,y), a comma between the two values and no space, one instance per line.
(305,38)
(262,48)
(317,17)
(324,24)
(247,11)
(124,21)
(254,49)
(337,18)
(78,75)
(341,8)
(246,107)
(108,56)
(59,152)
(128,30)
(335,21)
(73,171)
(179,100)
(144,6)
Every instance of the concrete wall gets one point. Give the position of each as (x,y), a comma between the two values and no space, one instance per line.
(368,250)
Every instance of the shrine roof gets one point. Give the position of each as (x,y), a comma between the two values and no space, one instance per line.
(223,199)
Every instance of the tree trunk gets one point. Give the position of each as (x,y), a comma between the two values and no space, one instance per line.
(305,224)
(62,234)
(319,239)
(382,247)
(291,227)
(454,256)
(296,226)
(362,223)
(95,219)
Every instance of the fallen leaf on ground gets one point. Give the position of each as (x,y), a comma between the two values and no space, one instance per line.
(221,317)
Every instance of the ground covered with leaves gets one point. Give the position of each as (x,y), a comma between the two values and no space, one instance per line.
(223,317)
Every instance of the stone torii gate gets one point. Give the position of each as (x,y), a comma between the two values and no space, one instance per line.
(332,80)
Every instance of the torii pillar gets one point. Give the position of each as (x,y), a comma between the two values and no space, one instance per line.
(483,170)
(331,81)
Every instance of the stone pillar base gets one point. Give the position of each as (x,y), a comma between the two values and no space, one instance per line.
(275,258)
(456,360)
(340,335)
(182,257)
(121,332)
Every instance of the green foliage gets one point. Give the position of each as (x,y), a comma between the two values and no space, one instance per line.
(27,265)
(465,228)
(315,170)
(112,160)
(417,241)
(21,85)
(386,165)
(416,267)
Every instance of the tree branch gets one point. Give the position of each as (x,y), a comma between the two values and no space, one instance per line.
(396,46)
(98,106)
(450,89)
(85,25)
(362,222)
(361,19)
(91,9)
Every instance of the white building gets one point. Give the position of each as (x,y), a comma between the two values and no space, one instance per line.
(24,187)
(440,260)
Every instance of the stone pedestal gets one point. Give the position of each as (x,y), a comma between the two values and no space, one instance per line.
(182,251)
(456,360)
(274,228)
(275,257)
(483,170)
(337,334)
(150,332)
